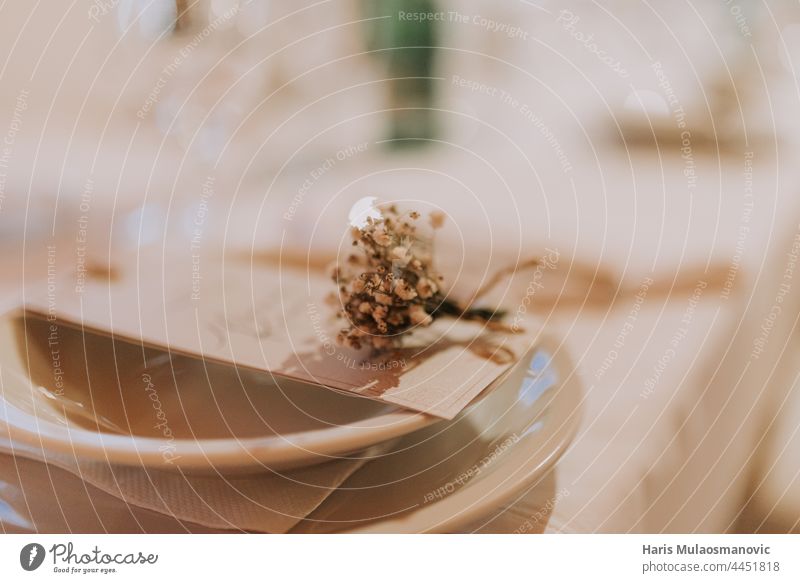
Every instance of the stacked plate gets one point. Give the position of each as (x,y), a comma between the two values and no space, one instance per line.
(109,401)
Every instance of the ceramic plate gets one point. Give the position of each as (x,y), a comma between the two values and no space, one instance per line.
(444,478)
(88,395)
(85,394)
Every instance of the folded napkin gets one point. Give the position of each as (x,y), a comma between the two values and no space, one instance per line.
(271,502)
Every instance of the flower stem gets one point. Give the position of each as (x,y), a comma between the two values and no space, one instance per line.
(442,306)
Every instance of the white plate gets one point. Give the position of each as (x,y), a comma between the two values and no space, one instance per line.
(428,483)
(92,397)
(86,395)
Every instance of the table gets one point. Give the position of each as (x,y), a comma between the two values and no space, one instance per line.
(674,414)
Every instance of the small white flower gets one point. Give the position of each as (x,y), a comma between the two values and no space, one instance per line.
(401,256)
(404,291)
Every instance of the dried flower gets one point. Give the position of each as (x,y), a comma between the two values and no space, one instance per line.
(403,291)
(426,288)
(401,256)
(383,298)
(392,289)
(419,316)
(379,313)
(381,237)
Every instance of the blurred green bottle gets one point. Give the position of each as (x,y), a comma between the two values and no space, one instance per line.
(407,46)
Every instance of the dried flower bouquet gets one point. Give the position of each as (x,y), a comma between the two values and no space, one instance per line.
(391,287)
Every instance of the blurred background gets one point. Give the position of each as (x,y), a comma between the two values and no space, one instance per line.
(650,140)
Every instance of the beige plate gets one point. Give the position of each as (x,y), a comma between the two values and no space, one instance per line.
(86,395)
(83,394)
(444,478)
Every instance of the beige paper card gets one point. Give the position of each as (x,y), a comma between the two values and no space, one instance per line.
(276,320)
